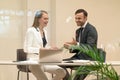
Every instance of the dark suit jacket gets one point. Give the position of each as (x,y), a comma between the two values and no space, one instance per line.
(89,36)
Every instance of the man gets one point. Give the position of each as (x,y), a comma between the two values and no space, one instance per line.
(85,34)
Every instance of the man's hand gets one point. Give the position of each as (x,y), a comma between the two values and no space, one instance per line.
(73,42)
(66,45)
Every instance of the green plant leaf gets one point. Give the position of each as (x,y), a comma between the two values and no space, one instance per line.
(98,68)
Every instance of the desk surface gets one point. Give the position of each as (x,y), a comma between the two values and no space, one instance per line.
(7,62)
(81,62)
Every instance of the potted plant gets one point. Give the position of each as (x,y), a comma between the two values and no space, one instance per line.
(99,67)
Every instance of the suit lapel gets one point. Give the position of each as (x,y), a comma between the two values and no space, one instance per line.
(38,36)
(77,35)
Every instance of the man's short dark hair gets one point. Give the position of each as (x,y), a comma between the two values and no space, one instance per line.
(81,11)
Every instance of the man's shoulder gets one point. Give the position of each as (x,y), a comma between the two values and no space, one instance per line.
(90,26)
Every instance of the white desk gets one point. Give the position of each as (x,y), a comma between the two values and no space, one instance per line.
(113,63)
(6,62)
(78,63)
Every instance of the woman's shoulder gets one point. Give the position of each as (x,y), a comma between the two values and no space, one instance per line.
(31,29)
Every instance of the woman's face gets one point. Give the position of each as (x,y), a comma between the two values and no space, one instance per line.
(44,20)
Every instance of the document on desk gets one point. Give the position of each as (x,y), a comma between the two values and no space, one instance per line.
(76,61)
(83,61)
(29,62)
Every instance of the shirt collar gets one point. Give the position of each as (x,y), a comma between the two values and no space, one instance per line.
(39,29)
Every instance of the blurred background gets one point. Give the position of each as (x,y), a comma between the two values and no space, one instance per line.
(17,15)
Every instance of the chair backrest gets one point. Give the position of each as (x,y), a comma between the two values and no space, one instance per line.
(102,53)
(22,56)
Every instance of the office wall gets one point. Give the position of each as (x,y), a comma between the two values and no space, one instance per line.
(17,15)
(12,20)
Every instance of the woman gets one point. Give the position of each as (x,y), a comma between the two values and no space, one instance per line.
(35,40)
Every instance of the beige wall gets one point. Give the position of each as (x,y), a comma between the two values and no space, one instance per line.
(12,20)
(17,15)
